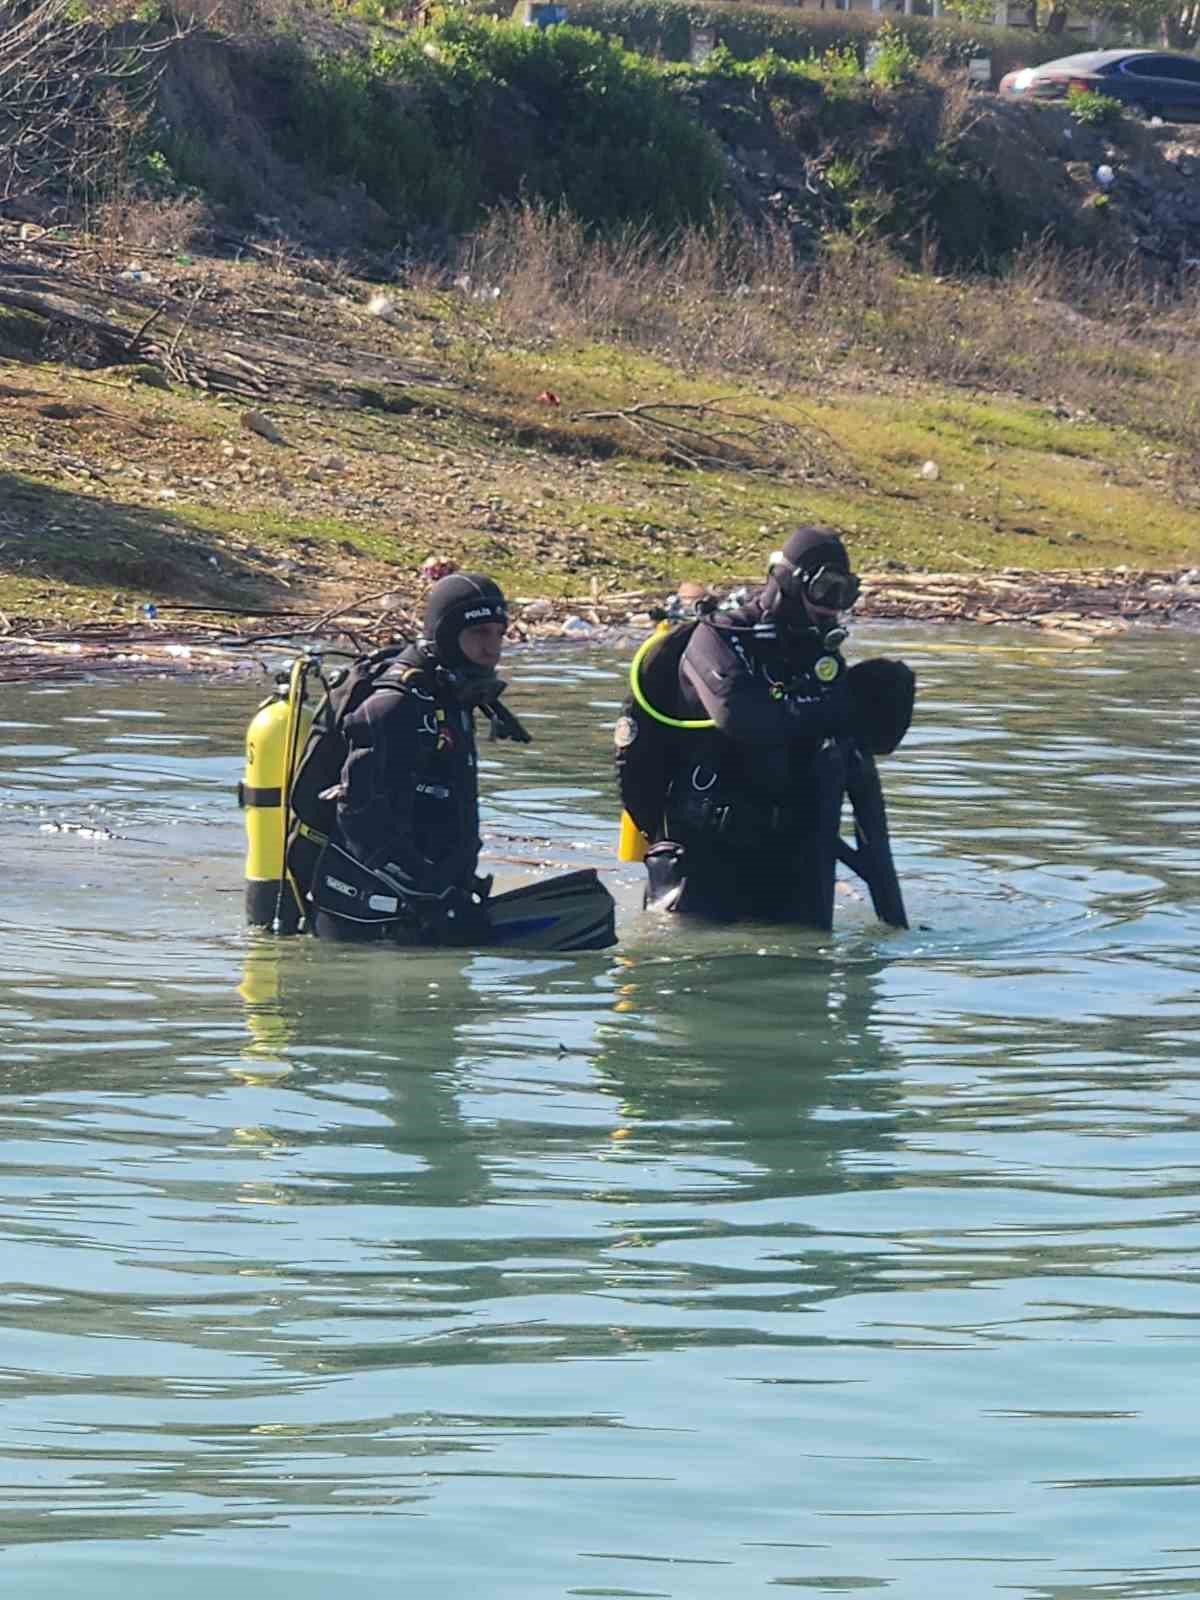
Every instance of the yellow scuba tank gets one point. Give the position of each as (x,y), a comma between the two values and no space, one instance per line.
(273,740)
(632,843)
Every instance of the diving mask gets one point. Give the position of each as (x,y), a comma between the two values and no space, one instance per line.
(831,589)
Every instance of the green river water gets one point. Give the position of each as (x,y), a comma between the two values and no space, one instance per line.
(723,1261)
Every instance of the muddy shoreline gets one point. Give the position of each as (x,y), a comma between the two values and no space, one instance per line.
(1070,607)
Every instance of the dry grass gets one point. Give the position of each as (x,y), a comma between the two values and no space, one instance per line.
(1101,339)
(131,224)
(706,299)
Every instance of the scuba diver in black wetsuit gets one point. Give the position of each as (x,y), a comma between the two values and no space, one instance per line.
(742,812)
(401,863)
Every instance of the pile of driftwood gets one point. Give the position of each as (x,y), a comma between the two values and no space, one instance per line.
(183,639)
(1084,602)
(31,658)
(186,340)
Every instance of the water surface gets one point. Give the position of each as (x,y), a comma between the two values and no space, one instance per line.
(718,1262)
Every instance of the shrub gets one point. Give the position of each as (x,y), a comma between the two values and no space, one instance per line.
(471,112)
(662,28)
(892,58)
(838,67)
(1094,110)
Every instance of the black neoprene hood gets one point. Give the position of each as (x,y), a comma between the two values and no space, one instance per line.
(463,600)
(812,547)
(806,550)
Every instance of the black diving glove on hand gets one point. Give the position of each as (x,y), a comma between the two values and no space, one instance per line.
(503,725)
(882,694)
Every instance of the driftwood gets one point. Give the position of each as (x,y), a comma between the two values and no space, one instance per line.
(42,300)
(104,343)
(174,340)
(1063,601)
(34,660)
(1072,608)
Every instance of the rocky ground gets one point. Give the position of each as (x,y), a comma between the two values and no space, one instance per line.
(1130,190)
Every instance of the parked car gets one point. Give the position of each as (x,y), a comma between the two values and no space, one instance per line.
(1148,83)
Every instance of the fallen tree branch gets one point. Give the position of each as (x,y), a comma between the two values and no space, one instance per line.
(351,606)
(726,439)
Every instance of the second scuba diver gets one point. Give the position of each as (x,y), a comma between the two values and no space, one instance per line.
(738,787)
(401,863)
(362,814)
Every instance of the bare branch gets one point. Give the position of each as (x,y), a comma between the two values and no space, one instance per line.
(708,434)
(75,87)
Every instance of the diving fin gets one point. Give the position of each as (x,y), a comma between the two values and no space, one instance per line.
(573,911)
(871,855)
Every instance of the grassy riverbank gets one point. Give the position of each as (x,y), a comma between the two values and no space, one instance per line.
(560,460)
(198,414)
(944,426)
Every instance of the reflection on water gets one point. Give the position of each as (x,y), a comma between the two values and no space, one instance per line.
(722,1260)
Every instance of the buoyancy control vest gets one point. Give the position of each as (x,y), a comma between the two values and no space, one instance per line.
(315,786)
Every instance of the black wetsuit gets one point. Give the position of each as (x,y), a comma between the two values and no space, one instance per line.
(408,811)
(747,805)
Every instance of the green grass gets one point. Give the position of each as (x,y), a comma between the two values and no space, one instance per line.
(581,499)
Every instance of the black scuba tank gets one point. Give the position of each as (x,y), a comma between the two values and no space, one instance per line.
(650,737)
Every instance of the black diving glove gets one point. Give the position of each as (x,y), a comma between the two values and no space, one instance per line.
(882,693)
(502,724)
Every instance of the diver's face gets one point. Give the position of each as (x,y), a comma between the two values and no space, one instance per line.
(826,593)
(482,644)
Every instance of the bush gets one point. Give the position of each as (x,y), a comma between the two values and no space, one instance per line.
(892,58)
(471,112)
(1094,110)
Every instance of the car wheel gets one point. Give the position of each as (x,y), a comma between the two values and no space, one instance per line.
(1138,111)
